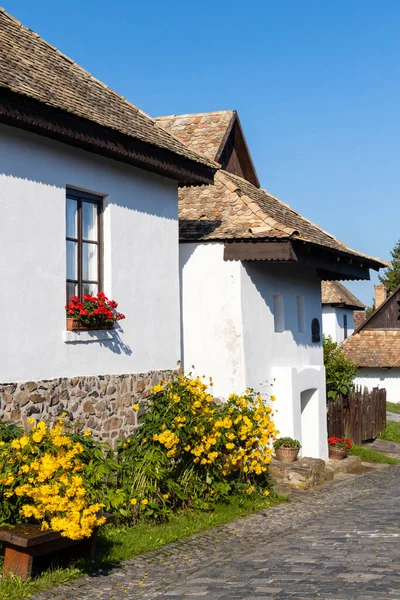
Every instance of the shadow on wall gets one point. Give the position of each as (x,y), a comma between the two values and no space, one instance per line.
(116,344)
(40,160)
(262,277)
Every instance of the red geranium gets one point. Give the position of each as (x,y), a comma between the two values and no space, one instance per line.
(94,310)
(339,442)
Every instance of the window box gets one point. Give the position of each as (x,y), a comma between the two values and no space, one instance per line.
(77,325)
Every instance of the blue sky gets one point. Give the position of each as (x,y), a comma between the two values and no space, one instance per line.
(316,84)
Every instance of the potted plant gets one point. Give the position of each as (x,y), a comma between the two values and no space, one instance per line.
(286,449)
(338,447)
(95,312)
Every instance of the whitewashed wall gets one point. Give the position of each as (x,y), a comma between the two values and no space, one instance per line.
(141,269)
(381,378)
(332,322)
(211,315)
(228,333)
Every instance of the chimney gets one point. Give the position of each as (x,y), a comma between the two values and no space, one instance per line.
(380,295)
(360,316)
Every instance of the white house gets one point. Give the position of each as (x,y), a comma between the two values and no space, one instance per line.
(338,307)
(251,270)
(375,346)
(88,202)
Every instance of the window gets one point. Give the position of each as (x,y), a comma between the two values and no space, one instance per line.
(83,239)
(300,314)
(345,326)
(279,320)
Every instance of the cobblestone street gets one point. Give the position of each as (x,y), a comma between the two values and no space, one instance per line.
(340,543)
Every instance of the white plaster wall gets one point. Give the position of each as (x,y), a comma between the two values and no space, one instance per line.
(211,315)
(141,268)
(381,378)
(228,333)
(288,360)
(332,322)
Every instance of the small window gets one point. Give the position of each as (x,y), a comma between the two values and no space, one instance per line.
(345,326)
(279,320)
(300,314)
(83,239)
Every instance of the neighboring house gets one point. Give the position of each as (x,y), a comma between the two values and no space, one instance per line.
(375,346)
(338,306)
(251,270)
(88,202)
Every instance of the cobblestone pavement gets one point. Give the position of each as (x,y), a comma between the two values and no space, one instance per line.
(393,417)
(339,543)
(386,447)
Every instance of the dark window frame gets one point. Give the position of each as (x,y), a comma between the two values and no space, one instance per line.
(80,197)
(345,327)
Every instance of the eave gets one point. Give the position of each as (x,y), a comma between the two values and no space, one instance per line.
(31,115)
(329,263)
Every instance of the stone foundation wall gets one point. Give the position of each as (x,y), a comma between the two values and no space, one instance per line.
(101,403)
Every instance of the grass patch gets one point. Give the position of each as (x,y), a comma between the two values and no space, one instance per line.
(121,543)
(369,455)
(393,407)
(392,432)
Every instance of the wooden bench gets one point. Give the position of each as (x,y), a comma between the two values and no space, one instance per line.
(24,542)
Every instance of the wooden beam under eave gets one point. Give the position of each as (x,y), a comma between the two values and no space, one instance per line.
(254,250)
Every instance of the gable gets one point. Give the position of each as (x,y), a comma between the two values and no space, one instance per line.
(388,314)
(234,155)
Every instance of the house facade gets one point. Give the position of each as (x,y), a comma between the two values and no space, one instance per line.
(338,307)
(375,346)
(88,203)
(251,270)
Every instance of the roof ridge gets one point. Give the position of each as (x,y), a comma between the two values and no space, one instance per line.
(212,112)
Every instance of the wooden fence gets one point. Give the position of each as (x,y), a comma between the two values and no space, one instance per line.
(360,416)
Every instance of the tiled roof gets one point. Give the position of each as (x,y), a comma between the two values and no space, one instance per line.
(32,67)
(334,292)
(202,132)
(233,208)
(374,348)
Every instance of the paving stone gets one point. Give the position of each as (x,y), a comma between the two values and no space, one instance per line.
(340,542)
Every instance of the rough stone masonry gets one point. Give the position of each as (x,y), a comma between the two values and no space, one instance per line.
(100,403)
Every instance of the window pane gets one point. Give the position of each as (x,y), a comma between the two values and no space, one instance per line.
(89,262)
(71,218)
(71,290)
(279,319)
(90,288)
(89,221)
(72,260)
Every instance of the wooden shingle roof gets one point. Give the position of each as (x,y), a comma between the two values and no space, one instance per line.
(334,292)
(34,69)
(234,209)
(201,132)
(374,348)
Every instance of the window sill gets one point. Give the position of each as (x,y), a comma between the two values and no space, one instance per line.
(87,336)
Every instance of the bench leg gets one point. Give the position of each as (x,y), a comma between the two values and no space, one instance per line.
(17,562)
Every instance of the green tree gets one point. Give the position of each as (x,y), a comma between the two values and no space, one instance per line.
(340,371)
(391,276)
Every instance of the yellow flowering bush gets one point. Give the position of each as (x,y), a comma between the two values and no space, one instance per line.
(189,451)
(42,479)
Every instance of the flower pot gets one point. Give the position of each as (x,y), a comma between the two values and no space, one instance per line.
(337,453)
(77,325)
(286,454)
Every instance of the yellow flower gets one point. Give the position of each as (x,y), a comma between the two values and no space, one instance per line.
(136,407)
(133,501)
(165,496)
(31,420)
(145,501)
(87,432)
(266,493)
(272,398)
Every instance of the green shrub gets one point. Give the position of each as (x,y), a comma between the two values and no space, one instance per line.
(286,442)
(340,371)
